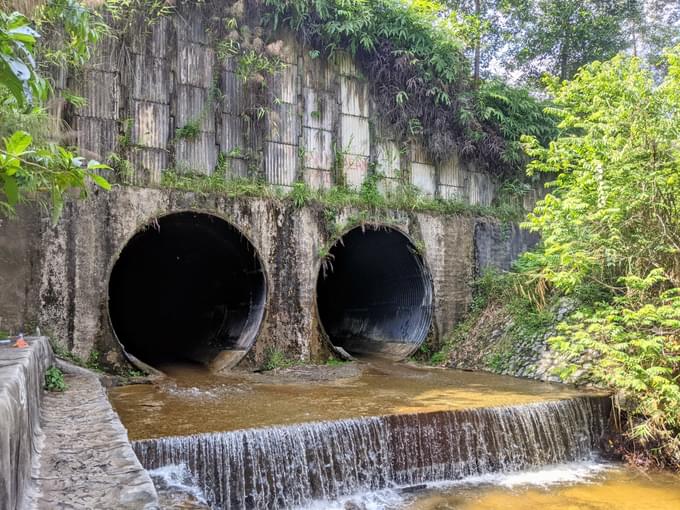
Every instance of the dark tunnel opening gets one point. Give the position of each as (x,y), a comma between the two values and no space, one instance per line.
(189,287)
(374,295)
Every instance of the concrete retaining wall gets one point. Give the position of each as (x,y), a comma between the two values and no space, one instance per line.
(71,262)
(22,373)
(314,121)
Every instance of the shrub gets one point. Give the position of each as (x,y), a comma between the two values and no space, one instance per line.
(54,379)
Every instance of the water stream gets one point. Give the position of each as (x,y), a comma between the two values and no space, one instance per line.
(378,436)
(290,466)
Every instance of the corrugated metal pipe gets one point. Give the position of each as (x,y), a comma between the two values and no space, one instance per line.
(189,286)
(374,294)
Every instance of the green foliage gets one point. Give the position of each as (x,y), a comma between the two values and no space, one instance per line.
(134,15)
(413,53)
(217,183)
(559,36)
(26,171)
(275,358)
(62,352)
(32,168)
(530,37)
(122,169)
(54,380)
(405,197)
(615,208)
(18,72)
(512,112)
(71,30)
(611,237)
(637,341)
(333,362)
(300,194)
(189,131)
(94,361)
(250,64)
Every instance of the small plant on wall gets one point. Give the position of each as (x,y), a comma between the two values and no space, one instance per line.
(189,131)
(54,380)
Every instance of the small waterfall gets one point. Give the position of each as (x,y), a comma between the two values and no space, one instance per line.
(284,467)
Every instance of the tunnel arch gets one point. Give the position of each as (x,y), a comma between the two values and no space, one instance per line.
(188,286)
(374,294)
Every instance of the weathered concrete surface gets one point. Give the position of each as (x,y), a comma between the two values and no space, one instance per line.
(21,389)
(313,110)
(72,262)
(499,244)
(86,461)
(18,251)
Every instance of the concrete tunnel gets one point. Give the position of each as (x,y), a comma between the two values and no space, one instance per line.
(189,287)
(374,295)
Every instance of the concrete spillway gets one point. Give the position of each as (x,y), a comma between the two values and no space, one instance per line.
(374,295)
(286,467)
(187,287)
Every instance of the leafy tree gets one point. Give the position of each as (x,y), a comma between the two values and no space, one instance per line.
(560,36)
(656,27)
(36,168)
(611,237)
(486,17)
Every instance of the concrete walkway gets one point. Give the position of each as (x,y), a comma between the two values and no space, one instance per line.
(86,460)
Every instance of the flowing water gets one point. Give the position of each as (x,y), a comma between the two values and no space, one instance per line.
(192,400)
(378,436)
(290,466)
(585,485)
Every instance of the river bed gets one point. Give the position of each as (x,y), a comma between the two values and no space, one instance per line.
(192,400)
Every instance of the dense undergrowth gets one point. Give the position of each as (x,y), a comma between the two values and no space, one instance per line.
(610,232)
(413,56)
(611,238)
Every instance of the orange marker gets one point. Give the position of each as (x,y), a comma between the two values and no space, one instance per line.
(21,343)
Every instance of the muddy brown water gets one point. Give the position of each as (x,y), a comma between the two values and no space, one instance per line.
(614,488)
(192,400)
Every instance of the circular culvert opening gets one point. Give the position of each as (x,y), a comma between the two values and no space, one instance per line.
(189,287)
(374,294)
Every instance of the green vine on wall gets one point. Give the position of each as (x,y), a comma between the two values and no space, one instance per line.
(420,76)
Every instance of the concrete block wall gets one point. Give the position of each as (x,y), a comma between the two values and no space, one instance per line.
(320,125)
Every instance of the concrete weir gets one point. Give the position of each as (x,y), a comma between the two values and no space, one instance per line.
(292,466)
(374,294)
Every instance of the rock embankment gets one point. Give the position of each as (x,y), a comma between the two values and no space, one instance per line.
(494,342)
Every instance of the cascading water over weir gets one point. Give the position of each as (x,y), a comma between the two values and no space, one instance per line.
(290,466)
